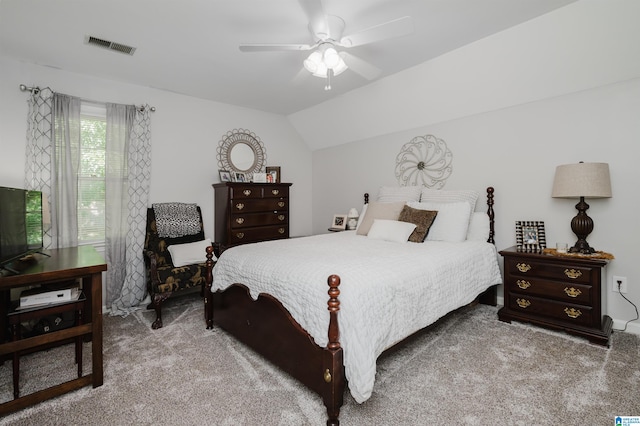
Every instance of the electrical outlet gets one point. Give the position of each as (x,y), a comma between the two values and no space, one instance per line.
(622,286)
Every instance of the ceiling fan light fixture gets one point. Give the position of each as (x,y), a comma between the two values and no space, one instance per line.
(340,67)
(331,57)
(313,62)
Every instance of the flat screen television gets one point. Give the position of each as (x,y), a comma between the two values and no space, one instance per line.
(20,223)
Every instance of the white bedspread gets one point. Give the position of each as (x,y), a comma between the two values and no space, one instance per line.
(387,292)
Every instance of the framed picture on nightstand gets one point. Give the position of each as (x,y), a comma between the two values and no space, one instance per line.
(339,222)
(530,236)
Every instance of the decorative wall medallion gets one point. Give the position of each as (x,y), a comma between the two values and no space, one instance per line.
(242,151)
(425,160)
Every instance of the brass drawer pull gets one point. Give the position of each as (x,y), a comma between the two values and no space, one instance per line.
(573,273)
(275,191)
(281,203)
(523,303)
(246,192)
(239,206)
(523,284)
(572,313)
(281,217)
(572,292)
(523,267)
(240,220)
(240,235)
(281,230)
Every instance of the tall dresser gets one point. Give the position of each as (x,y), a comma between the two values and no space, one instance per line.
(251,212)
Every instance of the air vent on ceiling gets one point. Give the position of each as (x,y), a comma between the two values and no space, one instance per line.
(110,45)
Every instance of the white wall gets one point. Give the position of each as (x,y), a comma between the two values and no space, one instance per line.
(509,118)
(185,134)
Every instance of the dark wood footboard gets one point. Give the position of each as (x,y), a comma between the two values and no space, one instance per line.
(267,327)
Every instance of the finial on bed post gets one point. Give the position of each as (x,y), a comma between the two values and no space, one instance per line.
(208,296)
(491,215)
(366,198)
(334,307)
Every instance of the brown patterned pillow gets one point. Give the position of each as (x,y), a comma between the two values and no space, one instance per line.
(423,219)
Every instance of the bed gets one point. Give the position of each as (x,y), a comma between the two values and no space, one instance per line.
(272,296)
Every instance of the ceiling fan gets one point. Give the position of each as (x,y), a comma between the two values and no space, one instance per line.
(327,34)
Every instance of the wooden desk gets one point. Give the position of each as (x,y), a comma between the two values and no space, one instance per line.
(63,265)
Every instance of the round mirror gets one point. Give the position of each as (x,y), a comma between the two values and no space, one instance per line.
(241,151)
(242,157)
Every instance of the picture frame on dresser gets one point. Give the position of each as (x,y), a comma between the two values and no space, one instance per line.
(274,171)
(225,176)
(530,236)
(241,177)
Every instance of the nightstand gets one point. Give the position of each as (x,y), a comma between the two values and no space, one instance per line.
(564,293)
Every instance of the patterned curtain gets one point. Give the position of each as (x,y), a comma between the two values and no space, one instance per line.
(133,290)
(39,152)
(127,287)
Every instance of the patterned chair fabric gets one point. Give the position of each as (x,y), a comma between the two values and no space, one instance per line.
(163,279)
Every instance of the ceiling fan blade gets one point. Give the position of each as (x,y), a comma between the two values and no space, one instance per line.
(396,28)
(360,66)
(315,13)
(265,47)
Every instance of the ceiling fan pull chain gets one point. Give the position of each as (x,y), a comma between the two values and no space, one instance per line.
(328,85)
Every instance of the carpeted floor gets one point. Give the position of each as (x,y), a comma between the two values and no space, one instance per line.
(468,369)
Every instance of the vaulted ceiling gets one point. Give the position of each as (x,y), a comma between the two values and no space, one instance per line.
(191,46)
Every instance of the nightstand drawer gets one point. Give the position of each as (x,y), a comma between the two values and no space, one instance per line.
(554,271)
(572,292)
(566,312)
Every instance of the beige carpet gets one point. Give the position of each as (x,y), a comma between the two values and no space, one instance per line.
(468,369)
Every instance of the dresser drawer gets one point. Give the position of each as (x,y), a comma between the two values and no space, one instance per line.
(258,219)
(269,191)
(554,271)
(262,233)
(259,205)
(240,192)
(561,290)
(566,312)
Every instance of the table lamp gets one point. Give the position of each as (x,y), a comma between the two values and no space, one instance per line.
(582,180)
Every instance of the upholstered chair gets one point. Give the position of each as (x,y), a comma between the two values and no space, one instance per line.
(164,278)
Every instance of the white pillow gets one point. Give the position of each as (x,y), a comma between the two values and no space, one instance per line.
(189,253)
(478,227)
(452,221)
(389,194)
(390,211)
(391,230)
(443,196)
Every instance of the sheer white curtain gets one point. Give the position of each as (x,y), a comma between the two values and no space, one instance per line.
(64,177)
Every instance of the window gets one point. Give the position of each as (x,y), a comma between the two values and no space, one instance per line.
(91,174)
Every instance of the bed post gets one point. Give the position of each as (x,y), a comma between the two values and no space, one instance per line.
(332,365)
(491,215)
(208,295)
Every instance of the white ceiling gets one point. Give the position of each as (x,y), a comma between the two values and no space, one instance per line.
(191,46)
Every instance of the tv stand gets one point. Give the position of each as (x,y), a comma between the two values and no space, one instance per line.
(66,264)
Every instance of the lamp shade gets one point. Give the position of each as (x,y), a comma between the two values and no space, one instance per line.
(589,180)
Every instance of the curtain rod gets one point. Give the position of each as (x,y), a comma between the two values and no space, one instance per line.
(35,90)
